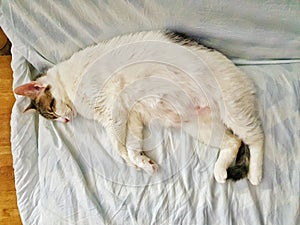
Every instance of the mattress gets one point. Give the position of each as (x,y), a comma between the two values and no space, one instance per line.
(68,173)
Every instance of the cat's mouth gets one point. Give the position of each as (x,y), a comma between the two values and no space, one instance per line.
(63,119)
(68,116)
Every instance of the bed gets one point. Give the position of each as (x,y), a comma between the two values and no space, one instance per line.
(66,174)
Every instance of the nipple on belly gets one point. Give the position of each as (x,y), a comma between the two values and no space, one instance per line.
(201,110)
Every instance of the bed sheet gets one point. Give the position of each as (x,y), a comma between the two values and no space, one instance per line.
(68,174)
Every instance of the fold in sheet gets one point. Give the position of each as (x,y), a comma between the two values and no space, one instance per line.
(68,174)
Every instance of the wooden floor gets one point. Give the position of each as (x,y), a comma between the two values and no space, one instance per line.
(9,214)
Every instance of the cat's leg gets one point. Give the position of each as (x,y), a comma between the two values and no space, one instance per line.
(256,161)
(255,140)
(211,131)
(134,143)
(117,136)
(242,118)
(228,151)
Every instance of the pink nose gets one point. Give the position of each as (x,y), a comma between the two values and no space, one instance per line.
(66,120)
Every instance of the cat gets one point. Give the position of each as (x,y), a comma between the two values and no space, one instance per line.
(182,83)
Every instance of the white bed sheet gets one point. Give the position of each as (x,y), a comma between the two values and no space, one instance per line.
(66,174)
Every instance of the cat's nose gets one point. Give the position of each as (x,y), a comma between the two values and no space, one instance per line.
(66,120)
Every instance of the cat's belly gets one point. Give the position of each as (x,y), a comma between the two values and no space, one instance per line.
(175,115)
(194,120)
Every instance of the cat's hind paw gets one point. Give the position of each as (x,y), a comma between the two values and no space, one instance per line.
(220,174)
(255,175)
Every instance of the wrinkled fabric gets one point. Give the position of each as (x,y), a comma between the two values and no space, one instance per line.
(68,173)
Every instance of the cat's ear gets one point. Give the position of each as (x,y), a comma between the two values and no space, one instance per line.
(30,107)
(31,89)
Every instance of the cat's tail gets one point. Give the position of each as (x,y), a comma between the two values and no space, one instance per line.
(241,167)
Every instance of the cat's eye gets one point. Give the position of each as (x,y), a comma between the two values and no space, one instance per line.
(52,103)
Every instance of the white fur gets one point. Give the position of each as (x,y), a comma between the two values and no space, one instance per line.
(145,75)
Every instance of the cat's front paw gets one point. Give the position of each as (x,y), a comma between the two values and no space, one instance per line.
(149,165)
(220,174)
(143,162)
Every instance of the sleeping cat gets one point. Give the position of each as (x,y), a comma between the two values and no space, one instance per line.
(160,75)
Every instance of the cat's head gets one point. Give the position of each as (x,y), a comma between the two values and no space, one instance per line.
(46,102)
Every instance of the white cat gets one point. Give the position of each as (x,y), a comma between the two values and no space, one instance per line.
(163,75)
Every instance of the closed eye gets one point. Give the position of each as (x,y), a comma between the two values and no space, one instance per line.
(50,116)
(52,103)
